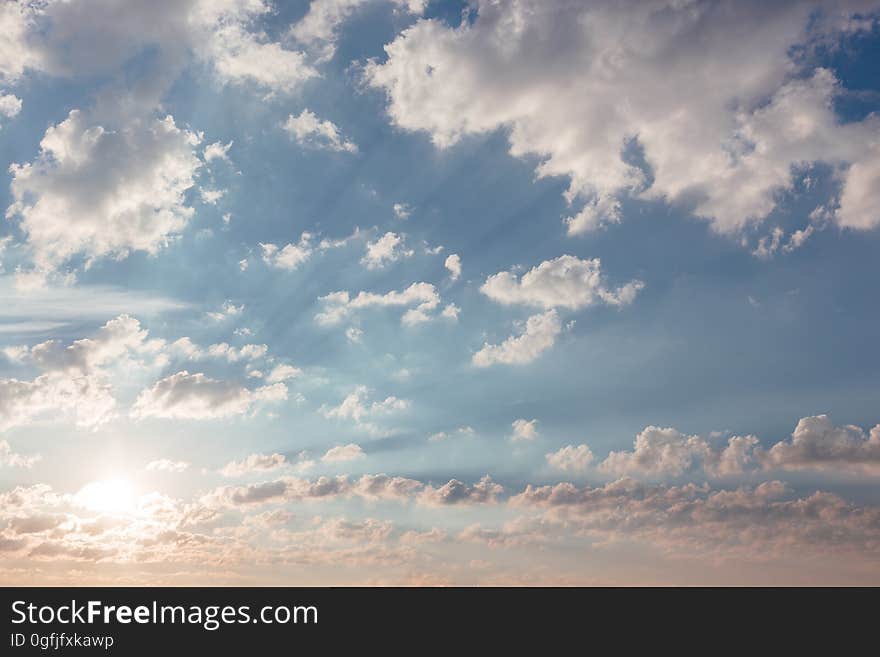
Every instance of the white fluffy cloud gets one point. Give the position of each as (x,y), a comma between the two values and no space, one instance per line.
(453,265)
(293,255)
(538,335)
(308,130)
(75,378)
(615,72)
(421,298)
(217,151)
(524,429)
(564,282)
(198,397)
(10,105)
(98,37)
(283,372)
(343,453)
(100,192)
(571,458)
(356,407)
(290,256)
(16,20)
(384,250)
(167,465)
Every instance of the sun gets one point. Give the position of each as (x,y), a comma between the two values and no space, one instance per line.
(111,496)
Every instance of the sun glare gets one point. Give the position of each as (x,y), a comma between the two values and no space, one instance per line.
(112,496)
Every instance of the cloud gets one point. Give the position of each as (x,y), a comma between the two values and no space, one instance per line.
(666,452)
(385,250)
(104,193)
(10,459)
(198,397)
(338,306)
(484,491)
(228,309)
(16,20)
(357,408)
(444,435)
(217,151)
(343,453)
(318,30)
(538,335)
(614,71)
(255,463)
(816,444)
(453,264)
(290,256)
(75,378)
(293,255)
(95,38)
(10,105)
(524,430)
(283,372)
(310,131)
(368,487)
(565,282)
(402,211)
(240,57)
(451,312)
(167,465)
(571,458)
(860,200)
(754,524)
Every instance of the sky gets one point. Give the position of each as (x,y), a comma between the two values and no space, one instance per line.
(499,292)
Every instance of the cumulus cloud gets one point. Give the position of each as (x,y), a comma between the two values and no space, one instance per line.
(524,430)
(290,256)
(357,408)
(422,298)
(75,378)
(10,105)
(564,282)
(283,372)
(758,523)
(198,397)
(370,487)
(666,452)
(385,250)
(167,465)
(816,444)
(484,491)
(571,458)
(293,255)
(228,309)
(538,335)
(453,264)
(343,453)
(614,71)
(100,192)
(217,151)
(254,463)
(308,130)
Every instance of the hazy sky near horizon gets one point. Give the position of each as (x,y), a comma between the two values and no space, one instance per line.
(411,291)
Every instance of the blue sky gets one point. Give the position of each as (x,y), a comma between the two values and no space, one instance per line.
(615,228)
